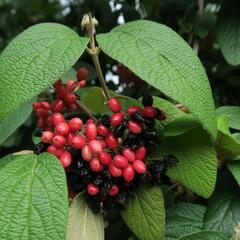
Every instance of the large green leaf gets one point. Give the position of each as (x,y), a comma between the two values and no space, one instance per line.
(33,200)
(223,213)
(183,219)
(13,120)
(83,224)
(34,60)
(233,115)
(205,235)
(145,214)
(228,27)
(159,56)
(228,145)
(197,168)
(177,122)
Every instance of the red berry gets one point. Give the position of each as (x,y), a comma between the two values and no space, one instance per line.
(55,151)
(59,141)
(86,153)
(105,158)
(114,190)
(133,109)
(134,127)
(102,130)
(70,85)
(95,146)
(75,124)
(66,159)
(57,83)
(73,107)
(82,83)
(92,189)
(36,105)
(78,142)
(69,138)
(114,105)
(70,98)
(120,161)
(102,142)
(117,118)
(149,111)
(140,153)
(42,113)
(91,131)
(57,105)
(41,123)
(48,121)
(61,91)
(128,173)
(45,105)
(111,141)
(57,118)
(114,171)
(62,128)
(139,166)
(95,165)
(128,154)
(90,120)
(82,74)
(47,136)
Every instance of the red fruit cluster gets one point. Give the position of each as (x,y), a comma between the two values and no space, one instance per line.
(100,145)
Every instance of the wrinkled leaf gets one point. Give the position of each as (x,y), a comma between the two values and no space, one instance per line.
(33,200)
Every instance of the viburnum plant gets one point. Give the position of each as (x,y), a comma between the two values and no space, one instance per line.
(98,153)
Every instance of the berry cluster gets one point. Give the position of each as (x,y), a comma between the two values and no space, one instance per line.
(107,157)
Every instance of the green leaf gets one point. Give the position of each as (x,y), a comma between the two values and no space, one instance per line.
(197,168)
(206,234)
(183,219)
(83,224)
(95,101)
(14,120)
(223,213)
(233,115)
(235,170)
(228,146)
(228,27)
(144,214)
(177,122)
(33,200)
(70,74)
(160,57)
(34,60)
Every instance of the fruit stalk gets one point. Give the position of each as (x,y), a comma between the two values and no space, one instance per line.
(94,52)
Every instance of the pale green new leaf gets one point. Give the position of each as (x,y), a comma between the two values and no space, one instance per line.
(34,60)
(162,58)
(83,224)
(145,214)
(232,113)
(95,95)
(228,145)
(33,199)
(13,120)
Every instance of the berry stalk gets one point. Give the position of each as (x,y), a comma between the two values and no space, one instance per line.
(89,23)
